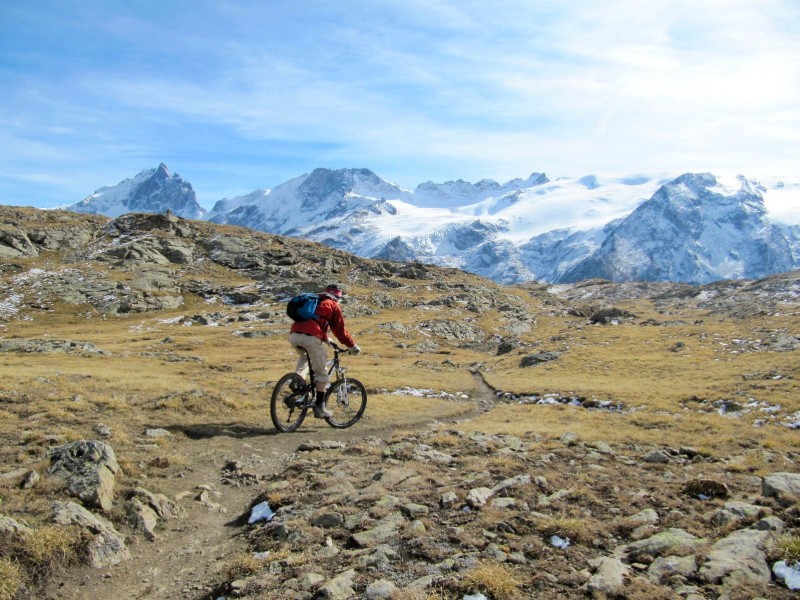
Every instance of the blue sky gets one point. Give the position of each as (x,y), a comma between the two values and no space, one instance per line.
(240,95)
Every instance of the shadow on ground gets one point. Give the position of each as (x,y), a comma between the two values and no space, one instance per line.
(210,430)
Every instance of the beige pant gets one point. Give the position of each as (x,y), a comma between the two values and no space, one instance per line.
(318,354)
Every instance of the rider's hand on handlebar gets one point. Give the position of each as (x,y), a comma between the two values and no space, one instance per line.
(355,350)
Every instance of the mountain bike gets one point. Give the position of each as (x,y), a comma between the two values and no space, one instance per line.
(293,396)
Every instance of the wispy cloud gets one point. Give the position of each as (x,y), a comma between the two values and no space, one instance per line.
(261,92)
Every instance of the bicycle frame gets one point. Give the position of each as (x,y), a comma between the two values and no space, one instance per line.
(335,365)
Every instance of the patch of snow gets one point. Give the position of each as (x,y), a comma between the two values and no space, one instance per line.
(789,573)
(260,512)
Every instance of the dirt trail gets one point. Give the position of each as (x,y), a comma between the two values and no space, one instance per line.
(187,558)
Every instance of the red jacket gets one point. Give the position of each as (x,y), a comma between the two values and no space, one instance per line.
(328,316)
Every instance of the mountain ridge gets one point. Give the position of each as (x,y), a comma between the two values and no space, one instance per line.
(693,228)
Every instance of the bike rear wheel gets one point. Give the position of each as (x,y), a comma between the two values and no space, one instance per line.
(347,400)
(289,403)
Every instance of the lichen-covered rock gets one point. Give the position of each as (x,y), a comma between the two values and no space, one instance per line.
(778,484)
(742,553)
(609,576)
(107,546)
(90,468)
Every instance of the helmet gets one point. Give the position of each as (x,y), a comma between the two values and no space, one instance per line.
(335,291)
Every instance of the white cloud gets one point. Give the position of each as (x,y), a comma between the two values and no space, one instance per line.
(423,89)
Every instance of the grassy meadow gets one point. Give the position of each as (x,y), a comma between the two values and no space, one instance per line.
(213,365)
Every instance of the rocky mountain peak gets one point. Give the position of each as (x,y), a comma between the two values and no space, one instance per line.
(327,183)
(695,230)
(152,190)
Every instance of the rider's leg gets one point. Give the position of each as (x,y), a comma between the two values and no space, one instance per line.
(318,357)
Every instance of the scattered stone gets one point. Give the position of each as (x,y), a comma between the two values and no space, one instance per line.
(612,316)
(382,589)
(9,525)
(609,576)
(648,516)
(328,520)
(157,433)
(413,510)
(104,431)
(142,518)
(30,480)
(670,542)
(448,499)
(511,483)
(338,588)
(657,457)
(375,536)
(478,497)
(706,488)
(425,453)
(665,568)
(160,503)
(536,359)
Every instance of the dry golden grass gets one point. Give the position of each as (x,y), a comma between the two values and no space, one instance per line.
(161,372)
(243,565)
(662,390)
(495,580)
(11,578)
(788,548)
(31,556)
(571,528)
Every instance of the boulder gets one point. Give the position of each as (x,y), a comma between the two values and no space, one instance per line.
(90,468)
(742,553)
(781,484)
(15,244)
(672,542)
(609,576)
(107,546)
(536,359)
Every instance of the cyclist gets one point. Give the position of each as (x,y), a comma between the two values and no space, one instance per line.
(311,336)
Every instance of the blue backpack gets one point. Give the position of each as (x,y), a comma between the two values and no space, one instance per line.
(303,306)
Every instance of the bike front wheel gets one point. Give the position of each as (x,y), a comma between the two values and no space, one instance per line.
(347,400)
(289,403)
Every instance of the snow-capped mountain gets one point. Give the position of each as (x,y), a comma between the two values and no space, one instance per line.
(694,228)
(152,190)
(309,205)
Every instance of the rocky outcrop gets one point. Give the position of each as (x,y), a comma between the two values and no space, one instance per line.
(39,346)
